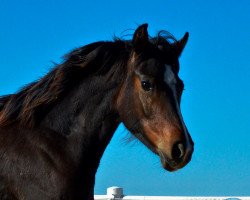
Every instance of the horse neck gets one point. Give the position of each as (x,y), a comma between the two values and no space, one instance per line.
(86,116)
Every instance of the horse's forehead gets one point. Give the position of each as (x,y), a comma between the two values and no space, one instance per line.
(150,67)
(156,68)
(169,76)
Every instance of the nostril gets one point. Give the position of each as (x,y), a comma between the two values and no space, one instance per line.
(178,151)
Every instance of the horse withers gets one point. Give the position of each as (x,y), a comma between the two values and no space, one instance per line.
(53,132)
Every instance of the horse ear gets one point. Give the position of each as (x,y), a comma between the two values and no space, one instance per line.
(140,38)
(180,45)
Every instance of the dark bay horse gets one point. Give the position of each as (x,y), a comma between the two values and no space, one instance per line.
(53,132)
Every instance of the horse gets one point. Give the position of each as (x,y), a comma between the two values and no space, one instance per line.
(54,131)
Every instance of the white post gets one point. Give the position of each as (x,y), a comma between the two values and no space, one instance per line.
(115,192)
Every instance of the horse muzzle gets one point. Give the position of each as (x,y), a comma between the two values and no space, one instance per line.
(179,158)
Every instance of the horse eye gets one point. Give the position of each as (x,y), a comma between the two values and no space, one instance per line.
(146,85)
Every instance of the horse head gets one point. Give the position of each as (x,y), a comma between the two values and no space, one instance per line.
(149,99)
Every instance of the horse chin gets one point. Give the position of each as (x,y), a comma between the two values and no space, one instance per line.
(169,167)
(169,164)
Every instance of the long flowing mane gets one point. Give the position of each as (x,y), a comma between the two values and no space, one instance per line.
(32,102)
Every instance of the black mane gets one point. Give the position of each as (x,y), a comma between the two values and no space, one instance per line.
(41,95)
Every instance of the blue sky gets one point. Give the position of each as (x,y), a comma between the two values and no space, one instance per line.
(215,67)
